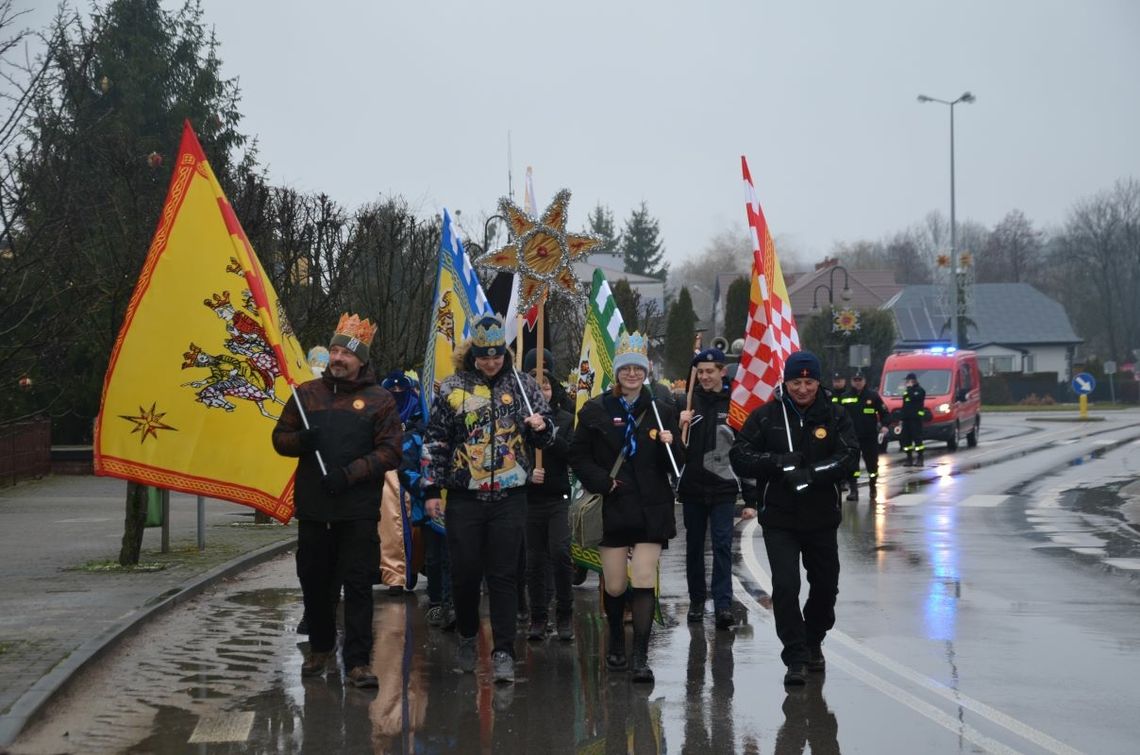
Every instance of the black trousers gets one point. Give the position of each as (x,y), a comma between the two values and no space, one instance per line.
(331,554)
(484,538)
(911,436)
(548,542)
(819,550)
(869,449)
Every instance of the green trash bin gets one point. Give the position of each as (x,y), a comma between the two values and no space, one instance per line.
(153,507)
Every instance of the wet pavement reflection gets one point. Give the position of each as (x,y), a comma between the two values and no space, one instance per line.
(959,630)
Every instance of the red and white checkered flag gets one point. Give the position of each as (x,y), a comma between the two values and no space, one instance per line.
(770,333)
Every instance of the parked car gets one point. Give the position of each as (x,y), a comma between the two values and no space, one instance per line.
(953,385)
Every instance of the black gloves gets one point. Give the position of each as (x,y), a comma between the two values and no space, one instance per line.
(335,482)
(789,462)
(798,479)
(310,439)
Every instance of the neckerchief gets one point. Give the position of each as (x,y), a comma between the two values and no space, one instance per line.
(630,427)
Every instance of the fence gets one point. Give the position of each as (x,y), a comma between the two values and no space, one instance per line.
(25,450)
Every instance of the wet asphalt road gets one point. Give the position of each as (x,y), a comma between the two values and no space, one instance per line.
(989,603)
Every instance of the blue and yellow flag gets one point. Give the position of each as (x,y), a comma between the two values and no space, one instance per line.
(458,301)
(205,359)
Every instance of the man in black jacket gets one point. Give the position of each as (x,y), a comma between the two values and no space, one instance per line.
(913,412)
(868,413)
(708,489)
(800,449)
(354,425)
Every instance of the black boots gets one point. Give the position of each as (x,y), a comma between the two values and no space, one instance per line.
(644,602)
(615,616)
(854,494)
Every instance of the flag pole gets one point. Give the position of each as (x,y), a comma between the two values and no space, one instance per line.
(538,364)
(692,382)
(305,422)
(661,428)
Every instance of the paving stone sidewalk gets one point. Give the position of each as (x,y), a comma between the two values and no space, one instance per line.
(57,609)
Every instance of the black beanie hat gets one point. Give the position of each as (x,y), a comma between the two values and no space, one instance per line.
(802,364)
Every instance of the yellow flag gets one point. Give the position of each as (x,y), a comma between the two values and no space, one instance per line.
(205,359)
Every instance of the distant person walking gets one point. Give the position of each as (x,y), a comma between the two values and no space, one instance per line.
(355,426)
(868,414)
(800,448)
(913,412)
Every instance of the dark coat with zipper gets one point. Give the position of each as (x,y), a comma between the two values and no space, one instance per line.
(360,433)
(708,476)
(555,462)
(645,497)
(823,433)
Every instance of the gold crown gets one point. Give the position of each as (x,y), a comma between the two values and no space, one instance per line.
(488,333)
(632,343)
(353,327)
(218,302)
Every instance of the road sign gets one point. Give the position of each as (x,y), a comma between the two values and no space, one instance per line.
(859,355)
(1083,384)
(1110,368)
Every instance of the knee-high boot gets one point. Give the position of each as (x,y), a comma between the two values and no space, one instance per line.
(643,604)
(615,616)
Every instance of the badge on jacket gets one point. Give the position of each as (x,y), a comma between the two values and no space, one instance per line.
(821,432)
(358,404)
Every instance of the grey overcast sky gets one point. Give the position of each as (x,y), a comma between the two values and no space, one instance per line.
(624,100)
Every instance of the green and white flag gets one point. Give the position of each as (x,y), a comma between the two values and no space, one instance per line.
(603,329)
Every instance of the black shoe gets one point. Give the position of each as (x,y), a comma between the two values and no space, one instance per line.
(565,625)
(537,631)
(725,619)
(303,625)
(617,662)
(696,613)
(817,664)
(874,492)
(854,494)
(640,673)
(796,675)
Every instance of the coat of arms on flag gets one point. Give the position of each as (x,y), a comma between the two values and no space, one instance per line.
(204,360)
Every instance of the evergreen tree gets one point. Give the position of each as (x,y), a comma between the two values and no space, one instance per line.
(601,223)
(94,172)
(736,309)
(680,332)
(641,246)
(628,303)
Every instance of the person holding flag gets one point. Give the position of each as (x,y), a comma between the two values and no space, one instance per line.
(344,430)
(623,449)
(484,420)
(800,448)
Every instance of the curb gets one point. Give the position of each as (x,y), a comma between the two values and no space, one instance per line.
(32,702)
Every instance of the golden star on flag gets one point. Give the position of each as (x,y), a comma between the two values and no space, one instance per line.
(148,423)
(542,252)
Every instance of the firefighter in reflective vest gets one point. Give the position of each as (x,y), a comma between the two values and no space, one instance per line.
(868,414)
(842,396)
(913,411)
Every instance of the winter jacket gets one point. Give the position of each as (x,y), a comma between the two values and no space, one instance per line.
(707,475)
(476,440)
(555,461)
(359,431)
(645,495)
(825,437)
(914,402)
(868,412)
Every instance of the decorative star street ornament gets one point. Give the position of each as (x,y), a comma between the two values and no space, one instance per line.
(845,321)
(542,252)
(148,423)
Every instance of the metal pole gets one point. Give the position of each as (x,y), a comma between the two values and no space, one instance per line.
(201,523)
(954,334)
(165,521)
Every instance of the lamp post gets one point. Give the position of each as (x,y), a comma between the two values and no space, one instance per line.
(829,287)
(954,313)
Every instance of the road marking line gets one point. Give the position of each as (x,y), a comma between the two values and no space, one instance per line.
(223,727)
(906,499)
(1039,738)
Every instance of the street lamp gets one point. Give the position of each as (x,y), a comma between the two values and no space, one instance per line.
(968,99)
(829,287)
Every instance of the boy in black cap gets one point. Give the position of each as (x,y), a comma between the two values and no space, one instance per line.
(913,409)
(800,448)
(708,489)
